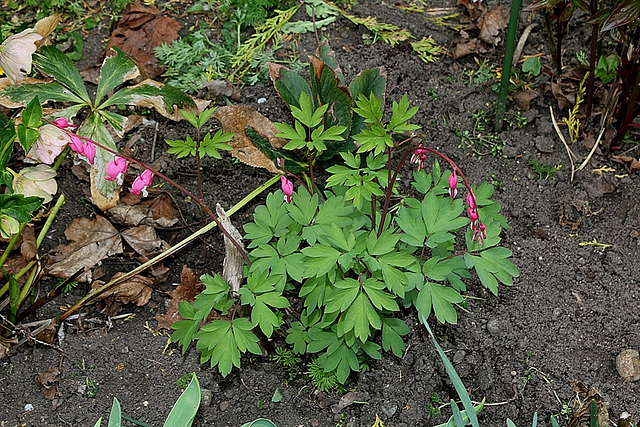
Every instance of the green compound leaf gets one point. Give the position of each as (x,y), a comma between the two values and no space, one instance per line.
(360,317)
(298,336)
(392,332)
(211,145)
(341,358)
(221,342)
(441,298)
(368,83)
(51,61)
(113,72)
(320,259)
(401,115)
(261,294)
(492,266)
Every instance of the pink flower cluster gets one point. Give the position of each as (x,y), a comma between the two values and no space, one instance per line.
(479,229)
(116,169)
(85,149)
(419,157)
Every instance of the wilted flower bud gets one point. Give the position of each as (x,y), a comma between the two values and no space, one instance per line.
(62,123)
(36,181)
(8,226)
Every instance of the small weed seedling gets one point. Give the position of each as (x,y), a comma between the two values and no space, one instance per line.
(89,386)
(485,73)
(183,381)
(436,404)
(544,171)
(480,140)
(289,360)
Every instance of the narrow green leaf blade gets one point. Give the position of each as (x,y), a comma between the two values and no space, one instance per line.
(115,417)
(186,407)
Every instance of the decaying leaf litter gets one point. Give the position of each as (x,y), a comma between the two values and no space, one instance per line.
(525,416)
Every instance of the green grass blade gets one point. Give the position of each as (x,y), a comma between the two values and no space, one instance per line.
(594,413)
(457,416)
(260,422)
(115,417)
(186,407)
(455,379)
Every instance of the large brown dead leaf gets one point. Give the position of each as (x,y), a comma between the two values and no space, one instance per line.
(142,214)
(186,291)
(582,416)
(491,25)
(140,31)
(135,290)
(91,242)
(144,240)
(48,382)
(237,118)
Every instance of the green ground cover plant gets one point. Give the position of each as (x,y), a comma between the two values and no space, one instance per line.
(341,247)
(352,247)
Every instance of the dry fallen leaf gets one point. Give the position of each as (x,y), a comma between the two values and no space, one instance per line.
(140,31)
(186,291)
(48,382)
(237,118)
(491,25)
(91,242)
(630,162)
(162,210)
(582,416)
(135,290)
(144,240)
(45,27)
(28,247)
(157,102)
(5,344)
(142,214)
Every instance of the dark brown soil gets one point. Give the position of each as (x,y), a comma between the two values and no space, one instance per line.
(572,310)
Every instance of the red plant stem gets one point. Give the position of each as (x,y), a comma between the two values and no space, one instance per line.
(198,160)
(199,201)
(387,198)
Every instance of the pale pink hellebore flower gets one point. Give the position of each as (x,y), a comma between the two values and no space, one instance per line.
(15,54)
(141,183)
(49,144)
(36,181)
(287,188)
(116,169)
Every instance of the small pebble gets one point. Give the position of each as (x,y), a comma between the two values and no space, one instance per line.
(224,405)
(206,397)
(28,407)
(628,365)
(389,409)
(262,100)
(145,403)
